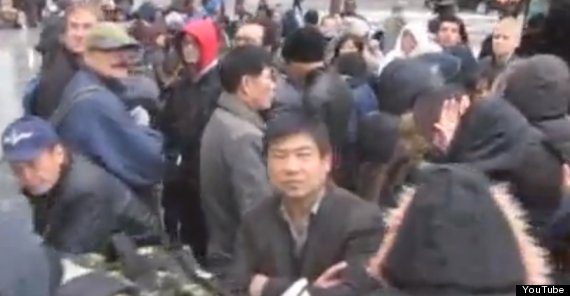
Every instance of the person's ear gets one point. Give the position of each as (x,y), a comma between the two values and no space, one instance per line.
(566,175)
(328,160)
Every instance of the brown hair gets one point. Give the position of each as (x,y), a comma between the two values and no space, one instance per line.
(89,6)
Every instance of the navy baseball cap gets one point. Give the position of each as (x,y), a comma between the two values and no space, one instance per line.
(25,138)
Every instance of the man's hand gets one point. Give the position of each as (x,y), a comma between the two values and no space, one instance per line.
(140,116)
(257,285)
(331,276)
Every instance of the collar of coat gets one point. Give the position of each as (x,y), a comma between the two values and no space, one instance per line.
(232,104)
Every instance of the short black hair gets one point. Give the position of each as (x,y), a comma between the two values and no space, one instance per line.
(241,61)
(460,23)
(305,45)
(297,121)
(311,17)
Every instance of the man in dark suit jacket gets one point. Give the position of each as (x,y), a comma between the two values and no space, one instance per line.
(310,225)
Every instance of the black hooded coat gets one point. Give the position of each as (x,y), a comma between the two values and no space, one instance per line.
(494,138)
(455,235)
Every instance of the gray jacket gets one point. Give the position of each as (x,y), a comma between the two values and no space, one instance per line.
(233,175)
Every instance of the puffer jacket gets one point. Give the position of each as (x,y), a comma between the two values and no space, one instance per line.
(87,206)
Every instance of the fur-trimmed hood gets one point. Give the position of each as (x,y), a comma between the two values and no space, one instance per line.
(455,235)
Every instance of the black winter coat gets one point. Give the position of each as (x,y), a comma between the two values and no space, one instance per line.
(88,205)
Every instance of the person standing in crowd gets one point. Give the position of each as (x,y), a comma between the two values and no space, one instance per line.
(412,41)
(62,62)
(310,227)
(233,177)
(494,138)
(538,87)
(506,39)
(77,206)
(452,212)
(316,89)
(451,32)
(393,26)
(92,117)
(250,34)
(311,18)
(188,107)
(442,9)
(293,18)
(352,67)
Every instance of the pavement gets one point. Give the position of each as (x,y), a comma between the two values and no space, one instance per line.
(18,63)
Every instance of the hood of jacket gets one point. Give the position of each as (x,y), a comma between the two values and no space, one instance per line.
(206,35)
(491,137)
(456,235)
(539,87)
(402,82)
(423,45)
(421,36)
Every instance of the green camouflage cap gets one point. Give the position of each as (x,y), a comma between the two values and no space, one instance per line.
(110,36)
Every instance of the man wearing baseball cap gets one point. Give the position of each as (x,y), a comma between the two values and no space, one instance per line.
(77,205)
(93,118)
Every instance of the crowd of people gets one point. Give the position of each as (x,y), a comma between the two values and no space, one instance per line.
(287,154)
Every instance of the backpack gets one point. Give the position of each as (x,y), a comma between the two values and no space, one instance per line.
(157,270)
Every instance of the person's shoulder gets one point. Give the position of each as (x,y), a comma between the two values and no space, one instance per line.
(263,210)
(85,178)
(347,199)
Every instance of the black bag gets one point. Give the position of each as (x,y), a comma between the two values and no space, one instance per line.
(159,270)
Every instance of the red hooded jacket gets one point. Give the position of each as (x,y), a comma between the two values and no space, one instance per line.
(206,35)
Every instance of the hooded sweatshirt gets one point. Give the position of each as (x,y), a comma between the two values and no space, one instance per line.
(490,137)
(540,89)
(495,138)
(205,34)
(455,235)
(423,45)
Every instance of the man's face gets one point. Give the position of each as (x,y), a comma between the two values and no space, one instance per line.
(250,34)
(505,42)
(259,89)
(190,50)
(110,64)
(408,42)
(296,167)
(449,34)
(76,29)
(40,175)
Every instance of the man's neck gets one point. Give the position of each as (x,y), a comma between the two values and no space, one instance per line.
(299,209)
(503,58)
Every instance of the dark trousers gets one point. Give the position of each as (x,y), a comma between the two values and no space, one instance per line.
(183,216)
(33,11)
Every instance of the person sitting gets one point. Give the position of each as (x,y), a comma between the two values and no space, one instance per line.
(77,206)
